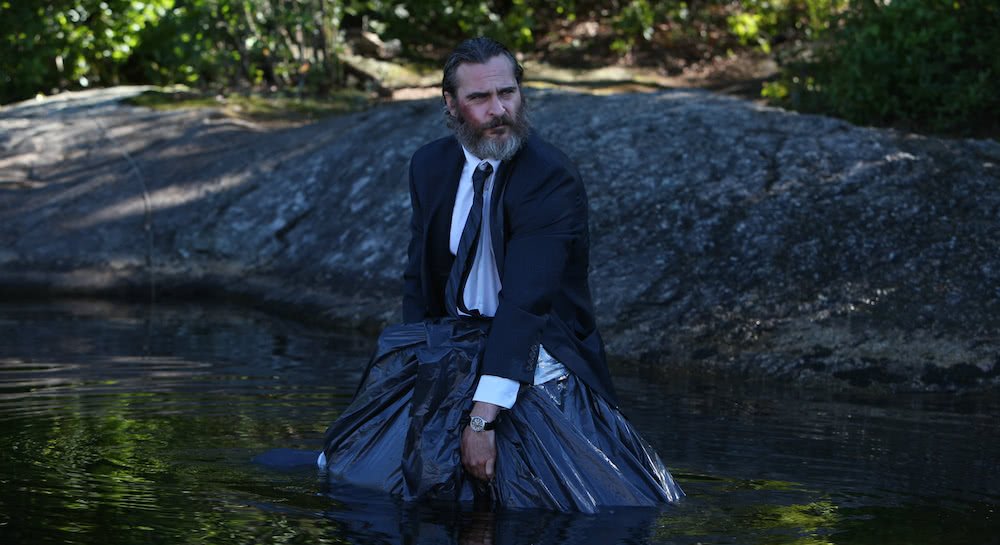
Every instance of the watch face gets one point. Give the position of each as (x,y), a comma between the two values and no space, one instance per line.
(477,423)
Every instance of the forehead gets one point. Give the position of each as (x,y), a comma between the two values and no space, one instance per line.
(495,73)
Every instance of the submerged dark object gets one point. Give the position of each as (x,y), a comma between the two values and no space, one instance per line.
(561,446)
(286,458)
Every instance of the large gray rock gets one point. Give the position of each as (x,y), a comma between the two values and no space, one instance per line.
(726,235)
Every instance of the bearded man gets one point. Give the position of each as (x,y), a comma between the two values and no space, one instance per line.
(495,391)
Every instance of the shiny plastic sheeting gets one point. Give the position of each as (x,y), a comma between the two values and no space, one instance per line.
(560,447)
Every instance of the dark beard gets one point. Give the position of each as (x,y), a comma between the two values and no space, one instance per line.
(475,140)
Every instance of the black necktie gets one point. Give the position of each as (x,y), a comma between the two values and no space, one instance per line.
(467,246)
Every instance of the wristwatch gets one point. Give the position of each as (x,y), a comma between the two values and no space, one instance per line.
(478,423)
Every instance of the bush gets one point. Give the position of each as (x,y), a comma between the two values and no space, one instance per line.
(60,44)
(915,64)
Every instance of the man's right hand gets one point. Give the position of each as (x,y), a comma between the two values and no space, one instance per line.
(479,448)
(479,453)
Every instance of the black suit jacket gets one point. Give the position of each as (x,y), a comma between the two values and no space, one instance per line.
(541,243)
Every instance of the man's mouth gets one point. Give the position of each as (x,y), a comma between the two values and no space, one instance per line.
(496,129)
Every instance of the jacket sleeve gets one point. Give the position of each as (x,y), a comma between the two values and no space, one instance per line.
(414,306)
(544,225)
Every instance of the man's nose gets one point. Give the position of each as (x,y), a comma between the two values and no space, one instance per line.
(496,106)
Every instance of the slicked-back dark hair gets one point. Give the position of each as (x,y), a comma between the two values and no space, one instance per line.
(476,51)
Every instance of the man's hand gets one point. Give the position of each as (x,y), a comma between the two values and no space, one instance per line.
(479,448)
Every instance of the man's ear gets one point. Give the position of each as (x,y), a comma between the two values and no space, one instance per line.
(449,102)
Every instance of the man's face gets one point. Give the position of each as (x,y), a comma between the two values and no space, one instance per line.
(487,109)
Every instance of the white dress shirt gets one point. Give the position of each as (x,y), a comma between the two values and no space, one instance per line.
(482,289)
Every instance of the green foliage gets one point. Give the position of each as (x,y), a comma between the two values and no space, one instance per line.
(440,24)
(66,44)
(230,43)
(765,22)
(69,43)
(924,64)
(294,44)
(635,20)
(921,64)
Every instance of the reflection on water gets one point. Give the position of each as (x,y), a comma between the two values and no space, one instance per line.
(121,424)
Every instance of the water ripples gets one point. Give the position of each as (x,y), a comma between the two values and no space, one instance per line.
(148,425)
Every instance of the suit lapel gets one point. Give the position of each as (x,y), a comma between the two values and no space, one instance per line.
(498,217)
(439,221)
(497,220)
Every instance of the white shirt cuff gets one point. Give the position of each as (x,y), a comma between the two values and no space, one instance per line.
(497,390)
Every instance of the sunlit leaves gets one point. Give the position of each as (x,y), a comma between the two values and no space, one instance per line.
(917,64)
(65,43)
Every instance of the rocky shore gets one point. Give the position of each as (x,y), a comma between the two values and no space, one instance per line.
(726,236)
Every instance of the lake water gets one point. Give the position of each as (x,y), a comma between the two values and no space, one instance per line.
(133,424)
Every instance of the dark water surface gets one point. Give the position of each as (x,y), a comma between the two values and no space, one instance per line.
(129,424)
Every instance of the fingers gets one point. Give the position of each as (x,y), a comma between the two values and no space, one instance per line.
(479,454)
(490,466)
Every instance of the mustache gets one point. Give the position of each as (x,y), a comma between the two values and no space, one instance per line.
(503,121)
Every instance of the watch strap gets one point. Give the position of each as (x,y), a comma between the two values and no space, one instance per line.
(487,426)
